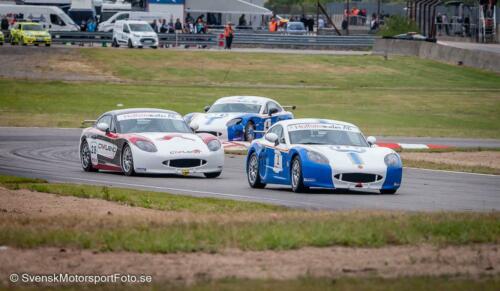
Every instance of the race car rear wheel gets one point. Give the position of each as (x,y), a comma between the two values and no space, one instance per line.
(253,175)
(249,131)
(115,43)
(212,175)
(127,161)
(296,176)
(85,157)
(388,191)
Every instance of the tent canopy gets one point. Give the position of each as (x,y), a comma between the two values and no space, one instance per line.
(225,6)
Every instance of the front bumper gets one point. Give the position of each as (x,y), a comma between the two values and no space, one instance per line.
(145,41)
(37,40)
(153,163)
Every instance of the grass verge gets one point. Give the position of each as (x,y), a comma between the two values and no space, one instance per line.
(267,227)
(311,284)
(145,199)
(393,97)
(450,167)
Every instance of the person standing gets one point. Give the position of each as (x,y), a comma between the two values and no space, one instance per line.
(178,26)
(229,34)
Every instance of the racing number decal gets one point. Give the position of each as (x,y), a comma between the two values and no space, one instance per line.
(267,124)
(278,161)
(93,152)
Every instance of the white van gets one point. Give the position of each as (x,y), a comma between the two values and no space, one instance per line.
(134,33)
(131,15)
(51,17)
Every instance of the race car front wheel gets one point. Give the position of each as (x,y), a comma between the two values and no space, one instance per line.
(130,45)
(127,161)
(85,157)
(388,191)
(297,177)
(212,175)
(249,131)
(253,172)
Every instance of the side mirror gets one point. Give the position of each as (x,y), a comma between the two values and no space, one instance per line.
(206,108)
(371,140)
(273,111)
(194,126)
(102,126)
(271,137)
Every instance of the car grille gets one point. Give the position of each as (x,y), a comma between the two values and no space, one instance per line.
(358,177)
(151,40)
(185,163)
(211,132)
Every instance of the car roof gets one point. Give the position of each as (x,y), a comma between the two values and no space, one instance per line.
(135,110)
(313,121)
(132,21)
(245,99)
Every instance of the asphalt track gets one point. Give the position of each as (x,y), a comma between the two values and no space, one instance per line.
(52,154)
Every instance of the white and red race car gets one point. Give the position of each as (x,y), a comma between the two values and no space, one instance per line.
(149,141)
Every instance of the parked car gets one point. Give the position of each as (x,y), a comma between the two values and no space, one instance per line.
(296,27)
(109,24)
(134,34)
(50,17)
(25,33)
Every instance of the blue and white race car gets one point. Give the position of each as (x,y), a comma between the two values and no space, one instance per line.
(238,118)
(322,153)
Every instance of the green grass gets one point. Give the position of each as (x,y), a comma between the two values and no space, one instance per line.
(401,96)
(263,228)
(310,284)
(450,167)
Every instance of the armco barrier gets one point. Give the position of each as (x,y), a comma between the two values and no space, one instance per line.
(241,39)
(442,53)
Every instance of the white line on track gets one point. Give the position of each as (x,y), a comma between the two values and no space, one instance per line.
(452,172)
(258,199)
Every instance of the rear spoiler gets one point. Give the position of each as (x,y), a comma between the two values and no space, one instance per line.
(293,107)
(88,121)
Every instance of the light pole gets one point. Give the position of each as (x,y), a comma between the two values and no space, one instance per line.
(347,14)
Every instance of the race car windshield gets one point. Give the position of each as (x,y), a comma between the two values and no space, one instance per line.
(328,137)
(153,125)
(140,27)
(33,27)
(234,107)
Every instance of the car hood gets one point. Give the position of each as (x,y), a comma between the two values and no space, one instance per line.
(349,158)
(177,143)
(145,34)
(212,121)
(37,33)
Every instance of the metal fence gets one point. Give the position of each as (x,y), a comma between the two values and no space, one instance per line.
(215,39)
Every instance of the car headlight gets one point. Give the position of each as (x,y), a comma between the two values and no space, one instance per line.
(146,145)
(392,160)
(136,35)
(214,145)
(317,157)
(234,122)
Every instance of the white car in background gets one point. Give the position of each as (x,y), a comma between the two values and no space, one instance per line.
(134,34)
(239,118)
